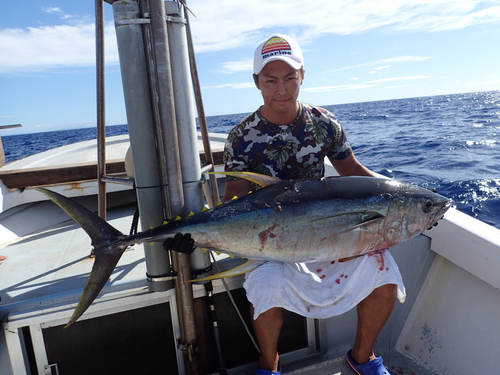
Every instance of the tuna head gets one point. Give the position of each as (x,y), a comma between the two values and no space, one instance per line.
(412,211)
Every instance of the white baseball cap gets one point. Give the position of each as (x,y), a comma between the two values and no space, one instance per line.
(278,47)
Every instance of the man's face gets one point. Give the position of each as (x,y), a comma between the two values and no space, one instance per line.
(279,84)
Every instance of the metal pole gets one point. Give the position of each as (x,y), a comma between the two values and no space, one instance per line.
(155,106)
(168,117)
(186,121)
(142,136)
(101,109)
(166,106)
(201,110)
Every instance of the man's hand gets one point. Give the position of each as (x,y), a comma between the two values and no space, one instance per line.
(182,243)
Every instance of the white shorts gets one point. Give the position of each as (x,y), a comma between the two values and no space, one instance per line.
(321,289)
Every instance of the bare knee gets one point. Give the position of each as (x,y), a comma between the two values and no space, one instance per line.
(387,292)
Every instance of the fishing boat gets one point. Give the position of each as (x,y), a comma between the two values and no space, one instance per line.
(149,318)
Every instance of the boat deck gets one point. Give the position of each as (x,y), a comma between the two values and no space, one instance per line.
(48,265)
(396,362)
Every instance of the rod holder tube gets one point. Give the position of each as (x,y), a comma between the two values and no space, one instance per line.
(167,97)
(101,108)
(186,120)
(142,138)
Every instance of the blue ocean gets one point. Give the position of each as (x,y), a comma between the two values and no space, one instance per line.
(450,143)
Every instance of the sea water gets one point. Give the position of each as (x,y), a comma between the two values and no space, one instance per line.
(450,143)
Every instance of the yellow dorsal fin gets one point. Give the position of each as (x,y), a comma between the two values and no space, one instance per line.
(259,179)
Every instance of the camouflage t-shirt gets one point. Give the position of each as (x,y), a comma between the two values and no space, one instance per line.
(286,151)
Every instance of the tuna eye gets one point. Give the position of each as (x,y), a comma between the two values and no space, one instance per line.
(428,205)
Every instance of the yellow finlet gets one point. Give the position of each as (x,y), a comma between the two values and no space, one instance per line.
(191,214)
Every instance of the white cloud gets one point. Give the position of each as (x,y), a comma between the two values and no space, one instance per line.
(235,23)
(363,85)
(399,59)
(56,10)
(230,67)
(400,79)
(52,10)
(336,88)
(51,47)
(230,24)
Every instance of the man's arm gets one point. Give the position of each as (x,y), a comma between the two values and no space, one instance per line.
(236,188)
(350,166)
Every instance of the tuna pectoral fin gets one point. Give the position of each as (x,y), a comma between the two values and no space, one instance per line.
(236,271)
(102,269)
(259,179)
(347,222)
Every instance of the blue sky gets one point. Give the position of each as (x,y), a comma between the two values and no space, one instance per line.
(354,51)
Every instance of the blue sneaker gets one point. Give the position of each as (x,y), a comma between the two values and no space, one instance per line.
(259,371)
(374,367)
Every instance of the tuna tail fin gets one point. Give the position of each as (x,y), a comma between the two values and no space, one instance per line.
(106,253)
(248,266)
(259,179)
(95,227)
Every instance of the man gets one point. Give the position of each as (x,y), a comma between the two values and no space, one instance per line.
(288,139)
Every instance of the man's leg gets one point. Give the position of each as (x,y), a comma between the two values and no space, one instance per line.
(373,313)
(267,328)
